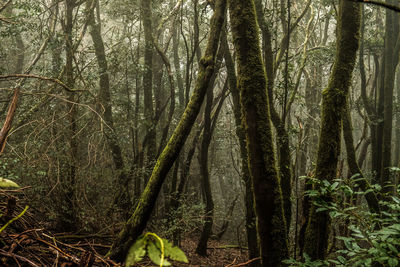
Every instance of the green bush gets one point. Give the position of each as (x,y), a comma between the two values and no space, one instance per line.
(373,238)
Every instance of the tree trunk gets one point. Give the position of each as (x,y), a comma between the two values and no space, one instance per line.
(354,168)
(251,231)
(68,215)
(148,81)
(391,58)
(122,197)
(282,136)
(252,84)
(333,106)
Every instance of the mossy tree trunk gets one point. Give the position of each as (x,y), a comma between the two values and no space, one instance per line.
(137,222)
(122,197)
(252,84)
(251,231)
(282,136)
(333,105)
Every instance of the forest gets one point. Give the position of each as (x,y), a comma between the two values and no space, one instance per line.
(199,133)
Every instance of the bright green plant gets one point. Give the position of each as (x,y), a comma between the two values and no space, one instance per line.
(373,238)
(5,183)
(156,248)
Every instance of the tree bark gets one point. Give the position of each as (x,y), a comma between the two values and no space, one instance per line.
(122,197)
(146,15)
(252,84)
(251,231)
(333,106)
(371,198)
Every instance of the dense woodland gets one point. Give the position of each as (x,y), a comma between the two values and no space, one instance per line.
(244,132)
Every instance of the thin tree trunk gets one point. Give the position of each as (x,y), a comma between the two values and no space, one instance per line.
(122,197)
(68,217)
(391,58)
(371,198)
(146,15)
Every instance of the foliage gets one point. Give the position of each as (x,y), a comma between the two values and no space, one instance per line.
(157,250)
(372,239)
(7,183)
(185,219)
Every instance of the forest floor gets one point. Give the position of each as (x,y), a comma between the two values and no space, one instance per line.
(24,241)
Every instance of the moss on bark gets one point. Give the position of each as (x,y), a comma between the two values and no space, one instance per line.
(333,106)
(251,231)
(256,122)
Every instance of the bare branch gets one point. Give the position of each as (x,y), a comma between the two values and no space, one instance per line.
(379,3)
(57,81)
(5,5)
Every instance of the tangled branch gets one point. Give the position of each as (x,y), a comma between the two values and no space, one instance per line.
(54,80)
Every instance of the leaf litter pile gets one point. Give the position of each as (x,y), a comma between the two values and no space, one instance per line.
(24,241)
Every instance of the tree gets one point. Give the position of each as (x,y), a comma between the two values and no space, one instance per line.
(256,122)
(122,197)
(334,99)
(251,230)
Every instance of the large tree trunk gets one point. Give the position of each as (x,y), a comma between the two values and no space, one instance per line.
(137,222)
(282,136)
(333,106)
(252,84)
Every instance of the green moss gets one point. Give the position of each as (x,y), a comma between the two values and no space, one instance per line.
(333,104)
(256,123)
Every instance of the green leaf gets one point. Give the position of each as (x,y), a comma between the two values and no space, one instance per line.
(393,262)
(393,248)
(174,253)
(8,183)
(136,252)
(154,254)
(334,185)
(341,259)
(321,209)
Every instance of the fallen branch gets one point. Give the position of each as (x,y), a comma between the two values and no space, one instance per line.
(15,256)
(244,263)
